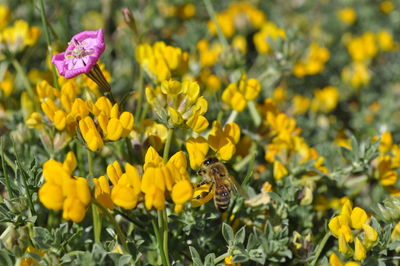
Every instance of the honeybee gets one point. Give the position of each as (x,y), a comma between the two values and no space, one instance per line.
(215,173)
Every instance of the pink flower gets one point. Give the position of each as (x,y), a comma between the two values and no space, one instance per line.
(82,54)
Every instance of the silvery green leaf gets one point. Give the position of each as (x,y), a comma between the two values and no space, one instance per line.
(240,235)
(209,260)
(240,258)
(227,233)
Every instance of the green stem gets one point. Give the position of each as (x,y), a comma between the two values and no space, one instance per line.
(130,149)
(120,234)
(47,35)
(211,13)
(162,215)
(168,144)
(24,180)
(140,99)
(254,113)
(159,243)
(220,258)
(97,223)
(25,81)
(232,117)
(320,248)
(6,178)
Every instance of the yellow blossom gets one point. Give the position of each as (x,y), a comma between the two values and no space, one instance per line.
(325,100)
(359,251)
(102,192)
(395,236)
(348,15)
(125,192)
(386,6)
(223,142)
(358,218)
(181,193)
(197,149)
(268,31)
(90,134)
(279,170)
(370,237)
(237,95)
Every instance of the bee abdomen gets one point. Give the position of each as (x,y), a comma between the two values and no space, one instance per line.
(222,199)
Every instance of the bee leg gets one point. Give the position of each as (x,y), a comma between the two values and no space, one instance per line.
(201,172)
(202,183)
(204,193)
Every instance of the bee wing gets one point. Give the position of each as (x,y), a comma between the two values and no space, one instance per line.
(238,188)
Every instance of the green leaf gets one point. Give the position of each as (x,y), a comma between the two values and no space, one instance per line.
(124,260)
(209,260)
(227,233)
(240,258)
(240,235)
(195,256)
(251,242)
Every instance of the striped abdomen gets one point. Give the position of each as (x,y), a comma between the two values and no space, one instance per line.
(222,197)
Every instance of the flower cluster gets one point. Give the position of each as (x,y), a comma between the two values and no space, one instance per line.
(17,37)
(341,227)
(362,50)
(160,177)
(387,162)
(269,31)
(236,17)
(64,191)
(162,61)
(179,104)
(221,140)
(313,62)
(66,112)
(236,95)
(286,141)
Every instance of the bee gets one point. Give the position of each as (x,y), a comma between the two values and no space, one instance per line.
(215,173)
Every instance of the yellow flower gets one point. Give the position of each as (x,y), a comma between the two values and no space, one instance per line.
(90,134)
(160,177)
(78,197)
(358,218)
(386,175)
(386,6)
(313,62)
(179,104)
(237,95)
(102,192)
(125,193)
(34,120)
(114,172)
(385,40)
(395,236)
(181,193)
(4,15)
(325,100)
(206,188)
(7,83)
(20,35)
(30,249)
(344,247)
(268,31)
(359,251)
(334,260)
(386,142)
(161,61)
(370,237)
(363,47)
(356,74)
(348,15)
(223,141)
(279,170)
(300,104)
